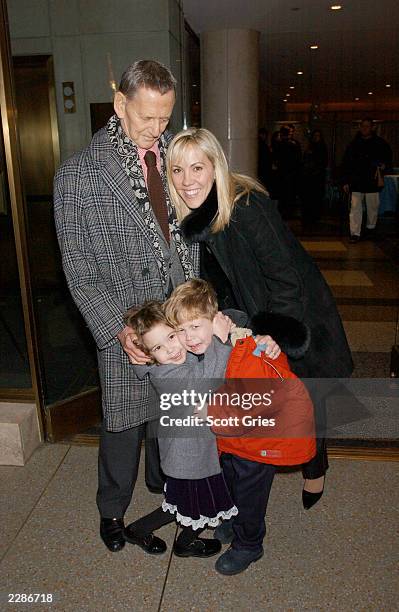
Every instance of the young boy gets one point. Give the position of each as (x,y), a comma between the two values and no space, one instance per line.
(190,310)
(192,314)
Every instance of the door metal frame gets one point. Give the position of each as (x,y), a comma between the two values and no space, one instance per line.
(84,409)
(17,198)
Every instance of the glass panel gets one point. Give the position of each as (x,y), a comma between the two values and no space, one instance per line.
(67,351)
(14,363)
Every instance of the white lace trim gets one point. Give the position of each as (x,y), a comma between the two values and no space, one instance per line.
(187,521)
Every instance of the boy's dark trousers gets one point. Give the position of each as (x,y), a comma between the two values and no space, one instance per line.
(249,483)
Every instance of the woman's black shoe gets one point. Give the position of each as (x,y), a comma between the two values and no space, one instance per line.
(201,547)
(111,532)
(310,499)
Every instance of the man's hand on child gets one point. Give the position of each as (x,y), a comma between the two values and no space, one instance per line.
(272,349)
(128,338)
(222,326)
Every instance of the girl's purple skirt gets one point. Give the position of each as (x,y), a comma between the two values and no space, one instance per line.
(198,503)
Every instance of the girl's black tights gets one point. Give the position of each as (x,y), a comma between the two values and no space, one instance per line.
(158,518)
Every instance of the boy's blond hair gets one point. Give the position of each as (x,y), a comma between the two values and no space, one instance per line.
(143,318)
(192,300)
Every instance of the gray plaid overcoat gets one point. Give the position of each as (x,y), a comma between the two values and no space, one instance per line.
(110,265)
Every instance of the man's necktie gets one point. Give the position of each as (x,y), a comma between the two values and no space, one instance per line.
(157,193)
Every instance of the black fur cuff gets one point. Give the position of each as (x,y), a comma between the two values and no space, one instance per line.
(291,335)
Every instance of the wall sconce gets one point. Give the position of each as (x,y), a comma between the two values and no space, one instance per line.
(68,92)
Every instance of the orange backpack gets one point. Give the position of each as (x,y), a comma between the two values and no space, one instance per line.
(275,423)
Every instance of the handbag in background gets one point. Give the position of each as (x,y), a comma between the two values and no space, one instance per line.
(379,177)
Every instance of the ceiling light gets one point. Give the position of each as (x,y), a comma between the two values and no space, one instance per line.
(370,93)
(357,99)
(299,72)
(285,100)
(292,87)
(336,7)
(388,85)
(314,46)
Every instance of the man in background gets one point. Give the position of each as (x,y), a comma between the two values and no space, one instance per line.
(365,160)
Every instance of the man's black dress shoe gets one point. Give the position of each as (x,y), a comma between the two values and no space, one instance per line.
(111,532)
(201,547)
(149,543)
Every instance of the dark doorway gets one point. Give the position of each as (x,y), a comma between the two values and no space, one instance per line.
(68,364)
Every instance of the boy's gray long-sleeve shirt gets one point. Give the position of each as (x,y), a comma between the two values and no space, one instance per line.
(188,451)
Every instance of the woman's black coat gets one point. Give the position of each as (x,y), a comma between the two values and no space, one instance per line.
(270,272)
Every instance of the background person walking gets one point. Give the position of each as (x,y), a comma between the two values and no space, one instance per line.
(365,160)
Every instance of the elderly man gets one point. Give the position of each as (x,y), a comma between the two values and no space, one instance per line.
(121,245)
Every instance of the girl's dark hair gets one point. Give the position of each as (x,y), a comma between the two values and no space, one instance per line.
(143,318)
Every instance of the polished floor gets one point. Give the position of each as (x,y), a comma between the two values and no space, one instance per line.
(340,556)
(364,279)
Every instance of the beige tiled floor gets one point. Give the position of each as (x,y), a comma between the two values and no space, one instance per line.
(370,336)
(362,250)
(324,245)
(338,556)
(347,278)
(21,489)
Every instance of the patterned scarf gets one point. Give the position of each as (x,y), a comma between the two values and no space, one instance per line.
(128,154)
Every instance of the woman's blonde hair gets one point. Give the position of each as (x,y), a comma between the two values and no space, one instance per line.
(230,186)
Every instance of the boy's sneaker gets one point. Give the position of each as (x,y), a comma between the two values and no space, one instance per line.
(201,547)
(235,561)
(354,239)
(224,532)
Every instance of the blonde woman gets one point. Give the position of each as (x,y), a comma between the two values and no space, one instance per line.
(257,265)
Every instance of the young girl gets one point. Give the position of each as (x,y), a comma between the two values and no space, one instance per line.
(195,491)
